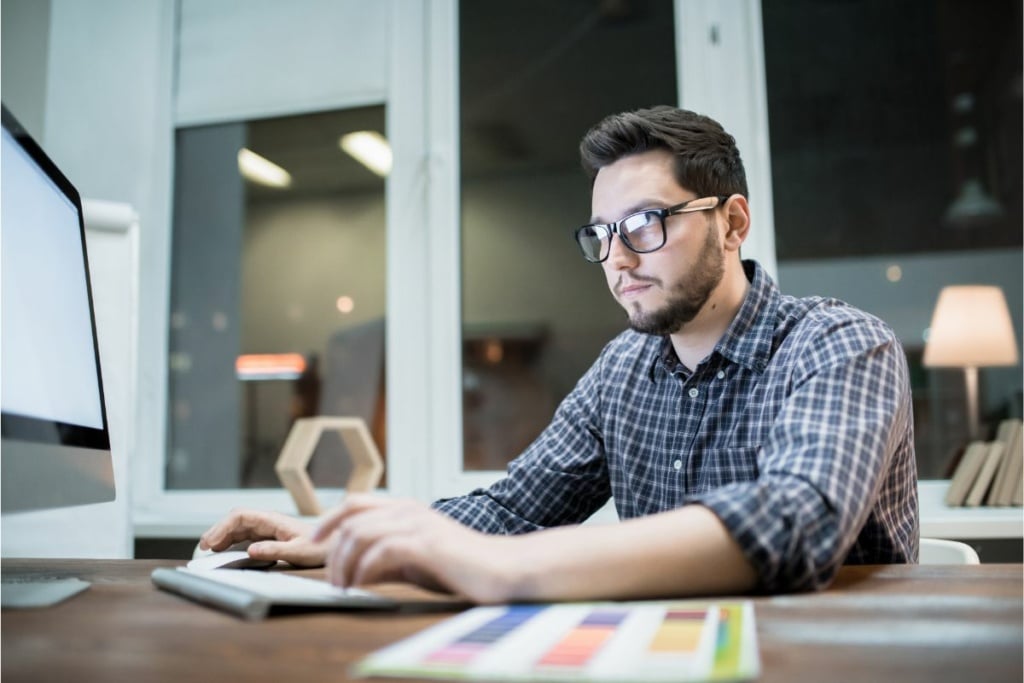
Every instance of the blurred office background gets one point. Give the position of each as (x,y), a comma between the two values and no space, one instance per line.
(441,297)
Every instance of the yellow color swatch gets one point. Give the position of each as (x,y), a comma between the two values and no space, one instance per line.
(677,635)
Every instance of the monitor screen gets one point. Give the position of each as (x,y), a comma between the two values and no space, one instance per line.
(56,444)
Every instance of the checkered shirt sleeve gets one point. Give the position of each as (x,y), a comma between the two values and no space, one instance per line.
(797,432)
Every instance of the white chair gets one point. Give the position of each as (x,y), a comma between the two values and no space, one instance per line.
(941,551)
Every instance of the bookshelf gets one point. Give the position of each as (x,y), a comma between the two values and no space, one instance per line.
(938,520)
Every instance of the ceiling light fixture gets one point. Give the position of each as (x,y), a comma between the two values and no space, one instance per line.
(260,170)
(369,148)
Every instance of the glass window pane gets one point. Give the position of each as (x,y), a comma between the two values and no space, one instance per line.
(896,166)
(277,296)
(534,76)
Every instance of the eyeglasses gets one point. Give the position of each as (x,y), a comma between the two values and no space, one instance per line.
(642,232)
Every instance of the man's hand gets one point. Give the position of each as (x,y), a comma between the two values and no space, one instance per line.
(275,537)
(682,552)
(373,540)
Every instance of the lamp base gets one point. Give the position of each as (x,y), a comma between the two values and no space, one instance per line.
(971,382)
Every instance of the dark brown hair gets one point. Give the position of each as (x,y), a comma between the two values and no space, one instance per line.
(706,159)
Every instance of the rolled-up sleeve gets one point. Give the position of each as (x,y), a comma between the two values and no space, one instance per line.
(824,462)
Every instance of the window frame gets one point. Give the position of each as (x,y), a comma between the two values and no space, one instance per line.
(717,41)
(161,513)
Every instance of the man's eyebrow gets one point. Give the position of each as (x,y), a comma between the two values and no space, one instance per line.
(637,206)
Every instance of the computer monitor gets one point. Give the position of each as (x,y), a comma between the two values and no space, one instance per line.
(55,447)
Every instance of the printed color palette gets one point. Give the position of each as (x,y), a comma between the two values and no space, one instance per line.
(581,643)
(472,644)
(626,641)
(680,631)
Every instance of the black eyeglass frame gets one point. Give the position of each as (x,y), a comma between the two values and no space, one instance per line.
(662,214)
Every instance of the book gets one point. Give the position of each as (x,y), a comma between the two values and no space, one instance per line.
(981,485)
(682,640)
(1004,432)
(966,472)
(1012,464)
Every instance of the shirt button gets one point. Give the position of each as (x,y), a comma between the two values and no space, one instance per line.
(678,464)
(721,374)
(693,392)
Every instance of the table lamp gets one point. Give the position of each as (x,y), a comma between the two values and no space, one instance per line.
(971,328)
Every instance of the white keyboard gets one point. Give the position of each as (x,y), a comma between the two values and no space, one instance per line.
(281,587)
(252,594)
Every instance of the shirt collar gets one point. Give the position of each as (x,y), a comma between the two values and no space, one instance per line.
(748,339)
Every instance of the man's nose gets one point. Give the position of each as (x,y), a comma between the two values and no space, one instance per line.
(621,257)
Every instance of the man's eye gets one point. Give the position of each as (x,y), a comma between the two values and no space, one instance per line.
(638,221)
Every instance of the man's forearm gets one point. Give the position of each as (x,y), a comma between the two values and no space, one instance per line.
(682,552)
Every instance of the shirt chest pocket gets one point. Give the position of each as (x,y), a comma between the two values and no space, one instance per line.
(723,466)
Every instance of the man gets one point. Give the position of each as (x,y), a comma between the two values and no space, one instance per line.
(750,440)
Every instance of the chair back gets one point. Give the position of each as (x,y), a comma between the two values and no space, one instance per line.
(942,551)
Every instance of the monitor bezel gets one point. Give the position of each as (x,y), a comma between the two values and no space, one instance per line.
(22,429)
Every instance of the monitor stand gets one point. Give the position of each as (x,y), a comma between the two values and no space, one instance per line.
(27,592)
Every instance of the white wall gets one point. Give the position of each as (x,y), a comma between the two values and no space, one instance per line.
(105,103)
(721,74)
(108,125)
(242,59)
(25,42)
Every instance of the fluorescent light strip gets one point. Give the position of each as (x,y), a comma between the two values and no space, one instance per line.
(369,148)
(260,170)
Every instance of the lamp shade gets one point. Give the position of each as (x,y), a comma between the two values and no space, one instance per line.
(971,327)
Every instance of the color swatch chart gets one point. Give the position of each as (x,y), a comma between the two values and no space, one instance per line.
(620,641)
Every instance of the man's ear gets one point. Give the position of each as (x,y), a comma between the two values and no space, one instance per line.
(737,215)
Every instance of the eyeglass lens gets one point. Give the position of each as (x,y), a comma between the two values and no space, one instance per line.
(642,231)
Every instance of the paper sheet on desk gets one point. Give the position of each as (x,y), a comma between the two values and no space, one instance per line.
(613,641)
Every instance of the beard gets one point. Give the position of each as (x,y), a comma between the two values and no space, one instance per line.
(687,295)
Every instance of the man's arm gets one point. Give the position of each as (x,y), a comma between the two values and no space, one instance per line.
(561,478)
(839,443)
(682,552)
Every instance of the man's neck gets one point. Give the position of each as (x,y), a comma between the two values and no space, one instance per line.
(697,338)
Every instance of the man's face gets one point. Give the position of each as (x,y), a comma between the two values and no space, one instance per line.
(663,290)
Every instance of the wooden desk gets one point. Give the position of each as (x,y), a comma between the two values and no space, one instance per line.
(891,623)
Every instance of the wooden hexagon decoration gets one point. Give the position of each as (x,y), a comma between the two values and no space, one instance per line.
(291,465)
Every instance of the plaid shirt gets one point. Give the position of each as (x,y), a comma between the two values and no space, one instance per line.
(796,431)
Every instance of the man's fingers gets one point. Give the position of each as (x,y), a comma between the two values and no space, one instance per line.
(298,552)
(354,504)
(356,526)
(401,558)
(361,534)
(223,533)
(250,525)
(351,538)
(380,541)
(383,561)
(273,525)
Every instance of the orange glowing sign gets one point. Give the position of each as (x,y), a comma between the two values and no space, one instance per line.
(270,366)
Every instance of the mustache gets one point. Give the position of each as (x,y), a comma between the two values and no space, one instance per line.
(635,278)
